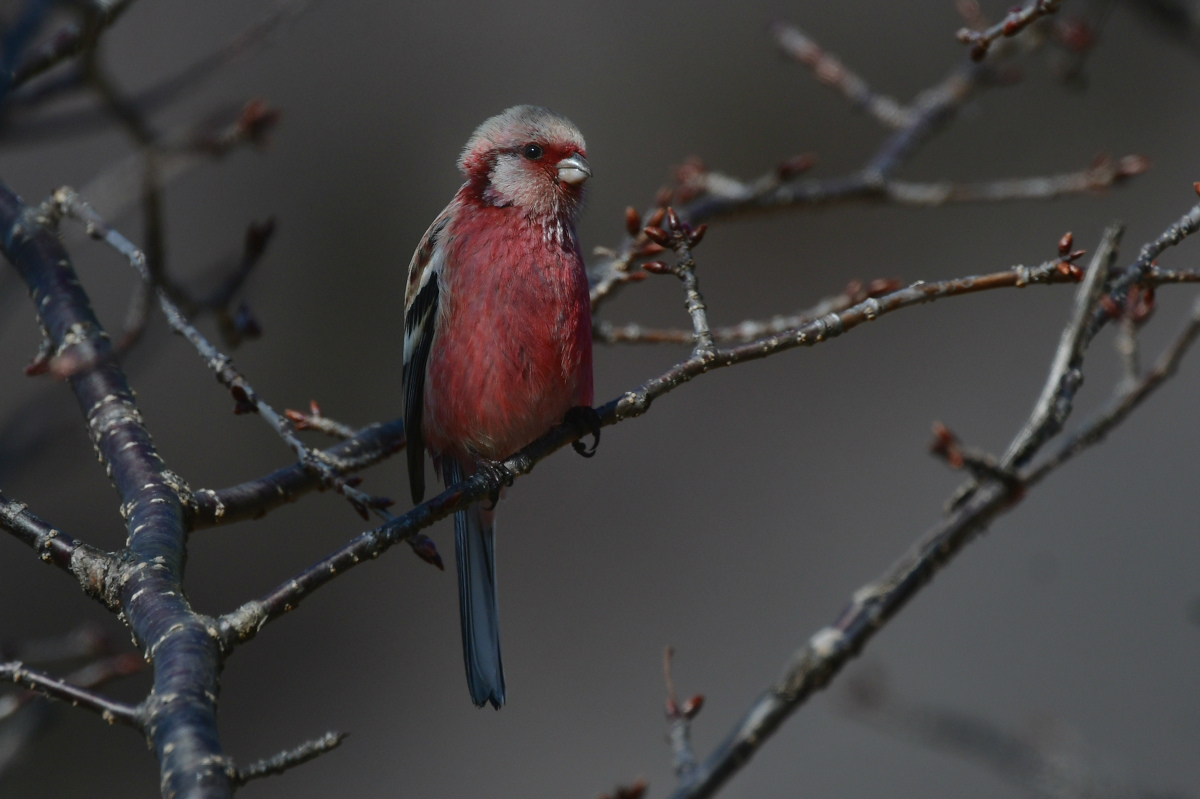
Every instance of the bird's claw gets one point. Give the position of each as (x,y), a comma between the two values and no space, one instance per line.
(585,419)
(498,476)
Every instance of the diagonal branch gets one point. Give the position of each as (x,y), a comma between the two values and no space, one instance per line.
(798,46)
(244,623)
(1013,23)
(1123,403)
(709,196)
(66,200)
(110,710)
(96,571)
(255,498)
(1065,375)
(281,762)
(970,512)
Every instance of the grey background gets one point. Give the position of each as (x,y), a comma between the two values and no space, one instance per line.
(733,520)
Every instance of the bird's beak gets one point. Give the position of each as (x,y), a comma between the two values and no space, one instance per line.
(574,170)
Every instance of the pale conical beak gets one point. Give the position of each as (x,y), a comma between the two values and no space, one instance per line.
(574,170)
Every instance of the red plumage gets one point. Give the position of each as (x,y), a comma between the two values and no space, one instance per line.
(497,336)
(513,352)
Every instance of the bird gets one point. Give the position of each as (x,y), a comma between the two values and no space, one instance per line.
(497,339)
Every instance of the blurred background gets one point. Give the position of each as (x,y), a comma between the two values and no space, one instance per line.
(733,520)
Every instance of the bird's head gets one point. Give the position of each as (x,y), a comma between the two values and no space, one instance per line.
(528,157)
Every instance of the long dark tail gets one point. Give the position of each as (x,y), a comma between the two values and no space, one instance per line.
(474,545)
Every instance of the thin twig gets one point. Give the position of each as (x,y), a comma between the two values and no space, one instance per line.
(315,420)
(92,675)
(109,709)
(48,126)
(179,152)
(255,498)
(71,203)
(795,44)
(706,196)
(95,570)
(680,716)
(1065,375)
(1126,400)
(969,513)
(244,623)
(1016,21)
(1104,173)
(1050,272)
(682,238)
(281,762)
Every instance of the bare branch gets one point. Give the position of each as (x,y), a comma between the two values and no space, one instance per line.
(73,122)
(680,717)
(796,45)
(180,721)
(95,570)
(1103,173)
(256,498)
(969,512)
(248,401)
(1050,272)
(244,623)
(315,420)
(705,196)
(1016,21)
(1058,393)
(109,709)
(1124,402)
(281,762)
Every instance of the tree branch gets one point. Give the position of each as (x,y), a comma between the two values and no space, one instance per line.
(110,710)
(704,196)
(281,762)
(1013,23)
(970,512)
(95,570)
(180,718)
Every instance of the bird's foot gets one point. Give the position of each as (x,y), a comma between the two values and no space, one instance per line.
(498,476)
(585,419)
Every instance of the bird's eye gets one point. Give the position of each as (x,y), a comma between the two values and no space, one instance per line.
(532,152)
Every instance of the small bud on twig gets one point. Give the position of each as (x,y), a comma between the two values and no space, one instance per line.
(672,219)
(945,445)
(1064,244)
(633,221)
(657,235)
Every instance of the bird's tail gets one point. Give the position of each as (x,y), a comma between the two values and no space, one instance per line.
(474,545)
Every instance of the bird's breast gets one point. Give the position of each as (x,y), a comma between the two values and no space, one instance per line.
(512,350)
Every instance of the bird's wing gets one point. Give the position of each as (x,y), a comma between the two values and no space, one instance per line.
(420,323)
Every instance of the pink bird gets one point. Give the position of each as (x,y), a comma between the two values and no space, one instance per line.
(497,338)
